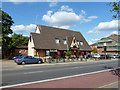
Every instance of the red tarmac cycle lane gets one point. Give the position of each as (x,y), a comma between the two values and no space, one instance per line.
(86,81)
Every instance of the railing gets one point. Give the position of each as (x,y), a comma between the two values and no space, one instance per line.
(71,59)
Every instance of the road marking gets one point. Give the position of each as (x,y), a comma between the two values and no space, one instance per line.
(55,79)
(75,67)
(105,86)
(33,72)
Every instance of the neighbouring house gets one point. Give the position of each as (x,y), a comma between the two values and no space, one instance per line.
(51,41)
(17,51)
(109,45)
(20,50)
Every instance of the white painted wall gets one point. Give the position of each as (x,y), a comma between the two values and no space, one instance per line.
(31,47)
(37,30)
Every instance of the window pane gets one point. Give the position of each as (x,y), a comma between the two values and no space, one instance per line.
(81,43)
(65,42)
(57,41)
(78,42)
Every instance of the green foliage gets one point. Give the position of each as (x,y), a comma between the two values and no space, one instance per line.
(68,53)
(115,6)
(19,40)
(8,43)
(94,50)
(7,22)
(118,52)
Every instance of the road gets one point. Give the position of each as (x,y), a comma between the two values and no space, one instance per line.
(43,73)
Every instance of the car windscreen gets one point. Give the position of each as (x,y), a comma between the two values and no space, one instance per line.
(21,57)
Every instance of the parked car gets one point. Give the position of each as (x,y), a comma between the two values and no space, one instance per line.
(96,56)
(15,57)
(28,59)
(102,56)
(115,56)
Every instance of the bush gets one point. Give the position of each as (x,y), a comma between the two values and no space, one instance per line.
(68,53)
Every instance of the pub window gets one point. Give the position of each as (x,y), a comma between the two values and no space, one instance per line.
(81,43)
(65,42)
(78,42)
(24,51)
(19,51)
(47,53)
(57,41)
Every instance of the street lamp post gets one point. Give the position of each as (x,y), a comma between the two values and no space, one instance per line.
(105,48)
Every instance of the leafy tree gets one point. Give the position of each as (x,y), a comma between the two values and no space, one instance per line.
(94,50)
(8,43)
(19,40)
(115,6)
(7,22)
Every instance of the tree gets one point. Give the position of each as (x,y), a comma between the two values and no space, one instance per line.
(7,22)
(115,6)
(19,40)
(94,50)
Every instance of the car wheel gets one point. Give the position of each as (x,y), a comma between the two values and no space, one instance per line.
(39,62)
(23,63)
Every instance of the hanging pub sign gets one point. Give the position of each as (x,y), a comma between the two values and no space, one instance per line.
(58,52)
(86,52)
(83,53)
(74,51)
(53,50)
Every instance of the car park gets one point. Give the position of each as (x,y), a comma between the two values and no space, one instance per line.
(28,59)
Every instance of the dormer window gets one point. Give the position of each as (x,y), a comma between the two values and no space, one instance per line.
(78,42)
(57,41)
(74,41)
(81,42)
(65,42)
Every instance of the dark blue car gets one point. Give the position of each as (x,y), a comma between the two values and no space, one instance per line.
(28,59)
(15,57)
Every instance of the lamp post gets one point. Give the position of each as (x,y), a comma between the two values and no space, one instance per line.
(105,48)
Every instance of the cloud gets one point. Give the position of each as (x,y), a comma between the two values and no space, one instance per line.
(90,43)
(112,25)
(66,8)
(94,40)
(83,12)
(53,4)
(19,28)
(93,17)
(65,17)
(114,32)
(26,35)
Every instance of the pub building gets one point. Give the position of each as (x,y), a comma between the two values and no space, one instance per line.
(55,42)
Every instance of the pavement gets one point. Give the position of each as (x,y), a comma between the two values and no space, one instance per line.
(11,65)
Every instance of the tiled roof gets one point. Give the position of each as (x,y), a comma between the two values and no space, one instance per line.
(46,38)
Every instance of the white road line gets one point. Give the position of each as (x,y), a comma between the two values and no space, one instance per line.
(75,67)
(54,79)
(33,72)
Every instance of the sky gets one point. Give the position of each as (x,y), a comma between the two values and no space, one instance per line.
(93,19)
